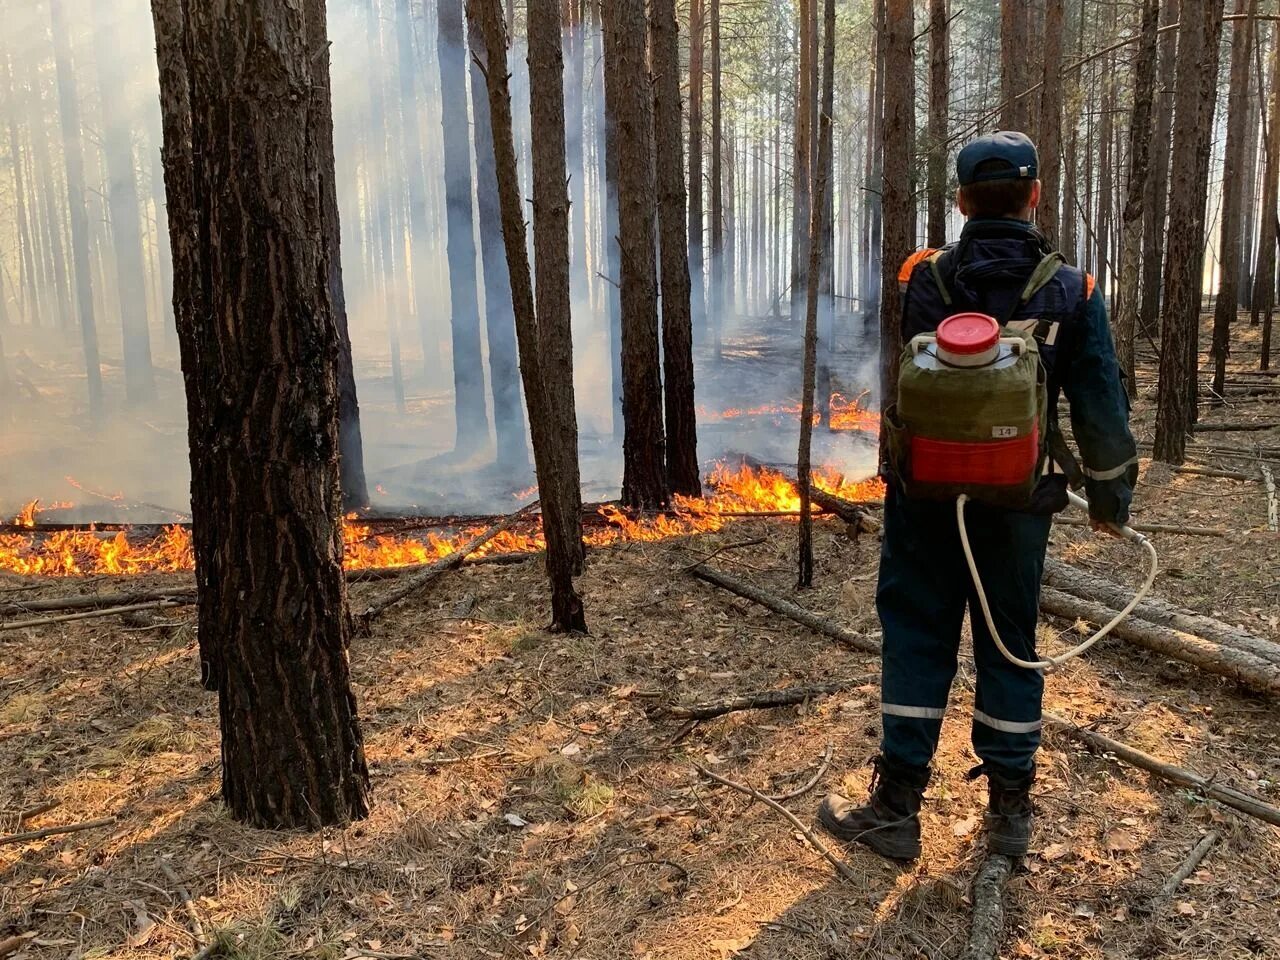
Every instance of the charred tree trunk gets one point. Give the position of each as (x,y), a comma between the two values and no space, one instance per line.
(717,298)
(1139,153)
(122,203)
(468,369)
(677,324)
(939,101)
(899,239)
(73,155)
(499,315)
(241,99)
(564,538)
(697,281)
(1051,121)
(630,105)
(1233,165)
(1193,128)
(1157,202)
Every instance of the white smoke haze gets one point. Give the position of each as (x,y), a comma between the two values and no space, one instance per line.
(397,292)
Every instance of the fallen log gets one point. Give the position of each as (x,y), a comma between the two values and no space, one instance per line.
(1229,796)
(788,609)
(764,700)
(93,614)
(987,925)
(95,601)
(1207,786)
(1235,427)
(434,570)
(1245,668)
(1173,528)
(1155,610)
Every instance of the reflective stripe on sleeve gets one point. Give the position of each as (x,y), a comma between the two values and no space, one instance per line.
(915,713)
(1005,726)
(1111,474)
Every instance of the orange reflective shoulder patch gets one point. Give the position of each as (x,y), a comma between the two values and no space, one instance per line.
(904,275)
(1089,284)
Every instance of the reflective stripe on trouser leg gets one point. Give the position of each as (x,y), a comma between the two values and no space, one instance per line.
(921,607)
(1006,715)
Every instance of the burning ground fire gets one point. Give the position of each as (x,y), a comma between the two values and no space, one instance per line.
(846,414)
(733,491)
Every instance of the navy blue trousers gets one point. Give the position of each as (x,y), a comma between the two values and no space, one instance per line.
(924,589)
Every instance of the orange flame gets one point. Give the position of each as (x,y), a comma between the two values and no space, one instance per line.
(846,414)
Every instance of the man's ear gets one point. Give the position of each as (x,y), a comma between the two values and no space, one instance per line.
(1036,190)
(960,204)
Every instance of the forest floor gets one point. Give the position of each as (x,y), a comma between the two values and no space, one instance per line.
(525,805)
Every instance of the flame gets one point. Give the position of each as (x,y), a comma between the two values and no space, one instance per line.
(846,414)
(731,490)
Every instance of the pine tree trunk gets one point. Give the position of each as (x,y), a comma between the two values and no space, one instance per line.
(677,324)
(122,202)
(51,246)
(1264,276)
(939,102)
(630,104)
(500,323)
(613,252)
(564,536)
(1050,125)
(245,185)
(876,249)
(697,281)
(899,236)
(415,181)
(1238,107)
(73,157)
(1139,155)
(717,297)
(355,489)
(1015,113)
(28,299)
(464,321)
(1193,128)
(1157,203)
(575,57)
(1249,199)
(802,168)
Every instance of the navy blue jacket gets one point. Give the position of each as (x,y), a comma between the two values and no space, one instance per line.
(987,271)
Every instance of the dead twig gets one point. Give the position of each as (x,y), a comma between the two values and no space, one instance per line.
(1187,867)
(754,541)
(14,944)
(987,925)
(197,928)
(1150,527)
(809,784)
(93,614)
(759,700)
(841,867)
(56,831)
(39,809)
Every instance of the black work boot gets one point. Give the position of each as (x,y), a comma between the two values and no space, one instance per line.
(890,822)
(1009,812)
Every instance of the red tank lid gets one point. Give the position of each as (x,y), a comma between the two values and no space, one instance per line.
(965,334)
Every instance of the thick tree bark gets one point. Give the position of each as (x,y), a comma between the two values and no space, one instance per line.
(1193,128)
(122,203)
(500,321)
(464,321)
(564,534)
(939,103)
(899,235)
(630,104)
(817,243)
(1157,202)
(241,93)
(1050,126)
(1139,154)
(73,156)
(613,255)
(677,323)
(355,489)
(1015,112)
(1233,164)
(717,289)
(697,281)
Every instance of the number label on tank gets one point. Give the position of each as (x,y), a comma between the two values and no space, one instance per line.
(1004,433)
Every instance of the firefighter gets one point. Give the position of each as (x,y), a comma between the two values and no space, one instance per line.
(1004,267)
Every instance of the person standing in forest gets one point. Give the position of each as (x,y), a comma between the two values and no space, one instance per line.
(1004,267)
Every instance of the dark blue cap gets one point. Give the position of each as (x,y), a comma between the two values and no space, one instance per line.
(1005,155)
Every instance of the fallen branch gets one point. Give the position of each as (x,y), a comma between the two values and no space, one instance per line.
(14,944)
(376,574)
(197,928)
(1187,867)
(1212,657)
(1208,786)
(56,831)
(38,810)
(1150,527)
(443,565)
(1235,427)
(93,614)
(987,925)
(1154,610)
(95,601)
(810,783)
(1273,508)
(763,700)
(841,867)
(788,609)
(1214,472)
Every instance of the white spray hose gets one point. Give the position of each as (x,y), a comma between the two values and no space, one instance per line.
(1128,533)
